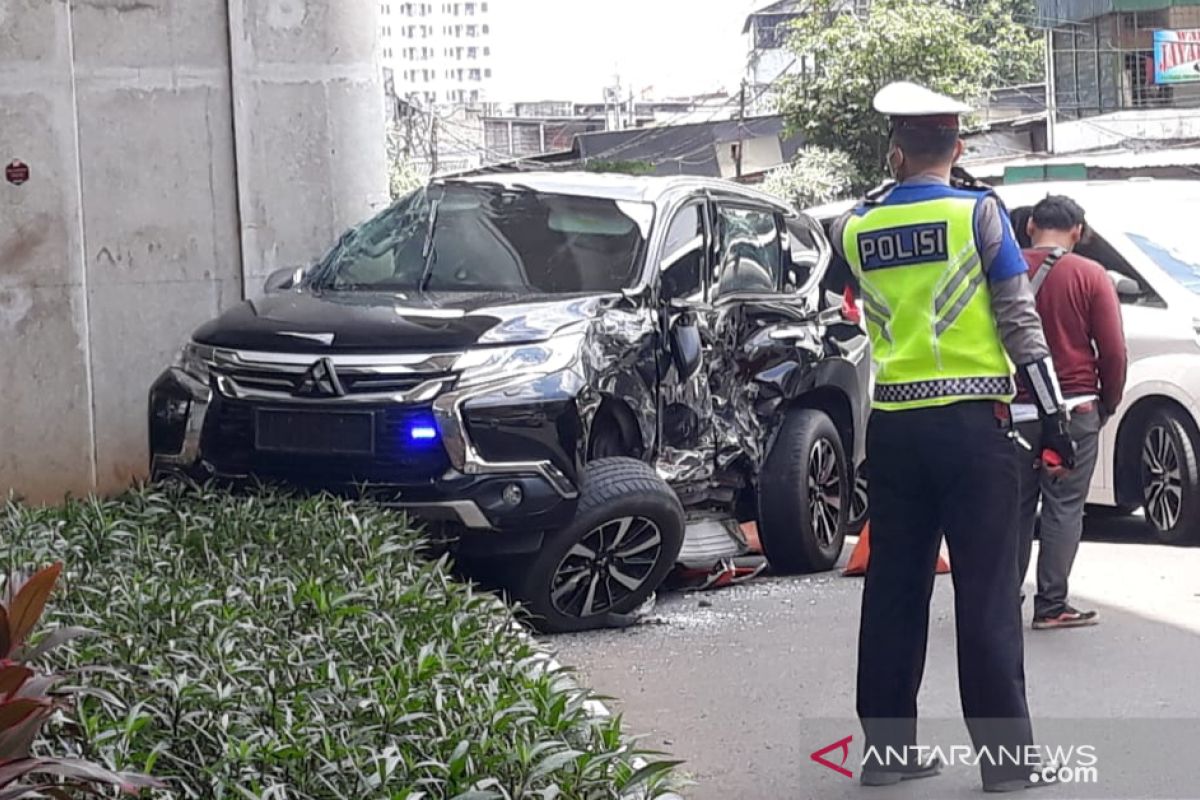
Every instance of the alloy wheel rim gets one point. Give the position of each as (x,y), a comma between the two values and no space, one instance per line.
(824,492)
(606,566)
(1162,478)
(858,499)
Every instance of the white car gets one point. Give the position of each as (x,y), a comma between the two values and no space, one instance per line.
(1147,234)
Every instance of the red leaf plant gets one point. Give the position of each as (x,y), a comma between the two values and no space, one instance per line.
(26,703)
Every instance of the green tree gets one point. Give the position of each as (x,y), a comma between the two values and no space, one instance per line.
(1005,27)
(960,47)
(403,174)
(815,176)
(849,59)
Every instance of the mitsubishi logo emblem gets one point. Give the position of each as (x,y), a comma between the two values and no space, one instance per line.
(321,380)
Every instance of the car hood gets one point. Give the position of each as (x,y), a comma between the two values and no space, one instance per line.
(301,321)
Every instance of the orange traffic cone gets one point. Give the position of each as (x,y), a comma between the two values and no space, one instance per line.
(857,565)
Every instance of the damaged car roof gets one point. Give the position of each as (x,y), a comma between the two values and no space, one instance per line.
(633,188)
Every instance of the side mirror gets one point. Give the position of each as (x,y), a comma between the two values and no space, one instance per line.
(686,350)
(283,279)
(1127,288)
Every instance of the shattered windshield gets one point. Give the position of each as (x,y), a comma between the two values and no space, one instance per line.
(484,237)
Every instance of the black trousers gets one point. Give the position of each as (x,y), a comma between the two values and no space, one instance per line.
(950,471)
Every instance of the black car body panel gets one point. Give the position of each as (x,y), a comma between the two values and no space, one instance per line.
(482,407)
(358,322)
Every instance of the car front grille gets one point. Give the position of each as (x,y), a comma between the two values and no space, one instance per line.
(279,376)
(289,379)
(229,446)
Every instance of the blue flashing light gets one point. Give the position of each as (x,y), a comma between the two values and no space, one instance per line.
(421,429)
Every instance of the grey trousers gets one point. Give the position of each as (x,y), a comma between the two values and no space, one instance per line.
(1063,500)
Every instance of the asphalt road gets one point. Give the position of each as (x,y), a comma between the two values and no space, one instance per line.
(744,683)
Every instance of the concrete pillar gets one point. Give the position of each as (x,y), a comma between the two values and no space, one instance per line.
(159,200)
(309,126)
(179,150)
(46,431)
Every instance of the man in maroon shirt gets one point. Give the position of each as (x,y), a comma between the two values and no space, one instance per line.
(1081,317)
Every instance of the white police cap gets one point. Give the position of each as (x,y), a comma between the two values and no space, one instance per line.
(904,99)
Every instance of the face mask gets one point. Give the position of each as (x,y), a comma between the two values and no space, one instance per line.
(895,160)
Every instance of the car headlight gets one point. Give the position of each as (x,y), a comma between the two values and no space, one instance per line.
(543,358)
(193,359)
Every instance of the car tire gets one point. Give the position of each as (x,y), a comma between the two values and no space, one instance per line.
(580,579)
(1169,477)
(803,495)
(860,509)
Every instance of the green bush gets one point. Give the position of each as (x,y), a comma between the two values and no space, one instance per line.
(271,647)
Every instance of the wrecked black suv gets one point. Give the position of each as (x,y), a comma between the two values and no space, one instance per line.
(566,372)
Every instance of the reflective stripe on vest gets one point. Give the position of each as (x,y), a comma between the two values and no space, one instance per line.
(927,303)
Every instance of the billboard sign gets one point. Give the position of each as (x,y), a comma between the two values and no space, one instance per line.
(1177,56)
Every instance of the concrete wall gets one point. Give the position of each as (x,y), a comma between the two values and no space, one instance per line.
(179,151)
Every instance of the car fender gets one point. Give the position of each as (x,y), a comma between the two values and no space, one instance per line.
(619,363)
(831,385)
(1175,377)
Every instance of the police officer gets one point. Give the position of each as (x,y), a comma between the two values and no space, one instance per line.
(948,305)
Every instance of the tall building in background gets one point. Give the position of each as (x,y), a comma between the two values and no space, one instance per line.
(440,53)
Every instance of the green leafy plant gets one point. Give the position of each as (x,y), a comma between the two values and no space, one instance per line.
(959,47)
(26,704)
(816,175)
(1006,28)
(303,648)
(403,174)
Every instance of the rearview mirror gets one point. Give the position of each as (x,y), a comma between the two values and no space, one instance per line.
(283,279)
(1127,288)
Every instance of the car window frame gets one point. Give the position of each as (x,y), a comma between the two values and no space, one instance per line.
(714,279)
(1150,297)
(1119,248)
(824,252)
(703,203)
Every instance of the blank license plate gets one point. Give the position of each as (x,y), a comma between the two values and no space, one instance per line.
(315,432)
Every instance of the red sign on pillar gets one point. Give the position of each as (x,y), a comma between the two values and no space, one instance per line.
(16,173)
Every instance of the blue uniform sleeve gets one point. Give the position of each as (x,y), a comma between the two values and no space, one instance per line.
(998,249)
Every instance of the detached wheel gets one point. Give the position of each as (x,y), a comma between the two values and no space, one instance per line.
(1170,478)
(622,542)
(804,495)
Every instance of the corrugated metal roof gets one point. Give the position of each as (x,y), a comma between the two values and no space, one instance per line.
(1052,13)
(684,149)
